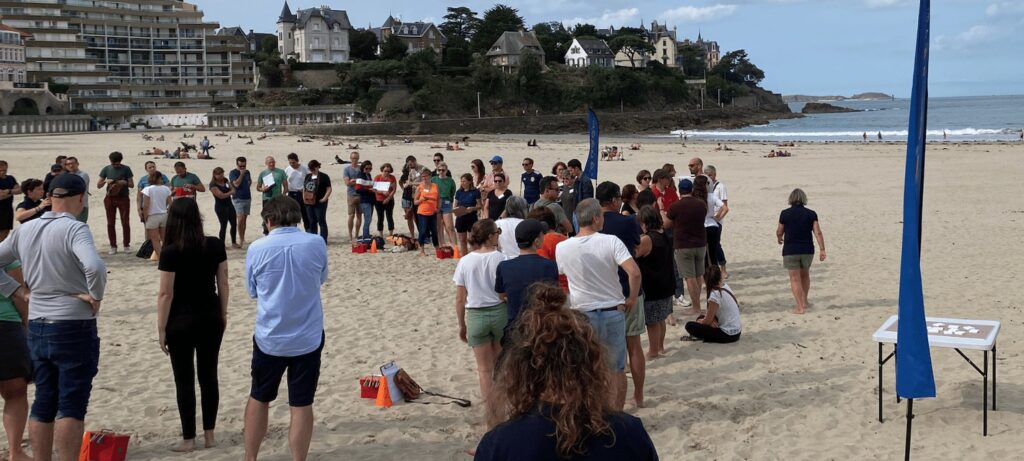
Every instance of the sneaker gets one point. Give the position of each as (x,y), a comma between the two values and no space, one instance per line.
(127,249)
(112,251)
(683,301)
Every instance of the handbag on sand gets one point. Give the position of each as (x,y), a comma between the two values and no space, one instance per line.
(104,446)
(412,391)
(146,250)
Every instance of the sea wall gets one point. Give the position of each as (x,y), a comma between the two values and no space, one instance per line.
(31,124)
(611,122)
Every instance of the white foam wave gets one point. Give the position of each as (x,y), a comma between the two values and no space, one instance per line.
(839,134)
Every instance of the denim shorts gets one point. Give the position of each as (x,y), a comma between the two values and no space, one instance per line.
(65,358)
(242,206)
(610,327)
(303,375)
(406,204)
(446,206)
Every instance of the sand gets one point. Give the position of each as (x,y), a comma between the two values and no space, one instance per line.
(794,387)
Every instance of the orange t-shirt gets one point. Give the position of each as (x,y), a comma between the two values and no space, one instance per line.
(547,250)
(429,198)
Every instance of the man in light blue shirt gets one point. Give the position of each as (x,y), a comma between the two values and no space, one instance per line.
(284,271)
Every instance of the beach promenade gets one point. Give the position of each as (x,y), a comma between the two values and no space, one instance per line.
(795,387)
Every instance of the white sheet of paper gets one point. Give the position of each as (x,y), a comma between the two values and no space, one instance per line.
(382,186)
(268,180)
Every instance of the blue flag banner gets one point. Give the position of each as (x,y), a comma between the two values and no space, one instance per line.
(594,130)
(914,377)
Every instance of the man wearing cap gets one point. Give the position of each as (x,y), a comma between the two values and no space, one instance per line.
(514,276)
(497,166)
(68,278)
(117,178)
(591,261)
(689,240)
(626,229)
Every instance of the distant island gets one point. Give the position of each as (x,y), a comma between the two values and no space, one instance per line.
(823,108)
(870,96)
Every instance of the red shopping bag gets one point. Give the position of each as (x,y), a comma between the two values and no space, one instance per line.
(104,446)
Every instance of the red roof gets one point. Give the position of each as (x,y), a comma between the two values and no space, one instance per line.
(11,29)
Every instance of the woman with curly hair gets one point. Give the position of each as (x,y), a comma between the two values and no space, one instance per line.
(551,390)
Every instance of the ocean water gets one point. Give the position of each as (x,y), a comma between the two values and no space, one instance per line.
(987,118)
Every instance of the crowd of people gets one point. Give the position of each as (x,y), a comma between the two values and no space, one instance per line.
(557,282)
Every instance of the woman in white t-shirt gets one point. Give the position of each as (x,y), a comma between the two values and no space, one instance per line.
(156,197)
(515,212)
(482,314)
(722,322)
(717,209)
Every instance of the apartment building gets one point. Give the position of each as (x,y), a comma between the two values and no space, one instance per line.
(12,54)
(129,57)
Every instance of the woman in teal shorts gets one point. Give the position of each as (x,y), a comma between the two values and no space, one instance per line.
(481,312)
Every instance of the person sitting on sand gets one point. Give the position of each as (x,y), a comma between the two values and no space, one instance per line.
(481,313)
(191,316)
(550,392)
(448,146)
(457,147)
(722,322)
(381,144)
(353,146)
(796,224)
(264,136)
(161,138)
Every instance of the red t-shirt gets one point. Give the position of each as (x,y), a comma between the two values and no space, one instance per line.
(669,197)
(547,251)
(380,178)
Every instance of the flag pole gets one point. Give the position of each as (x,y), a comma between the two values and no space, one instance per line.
(910,419)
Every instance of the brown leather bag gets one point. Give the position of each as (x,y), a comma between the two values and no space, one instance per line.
(409,388)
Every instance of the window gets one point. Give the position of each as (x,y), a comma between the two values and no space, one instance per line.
(316,27)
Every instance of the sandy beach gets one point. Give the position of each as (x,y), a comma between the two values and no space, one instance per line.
(794,387)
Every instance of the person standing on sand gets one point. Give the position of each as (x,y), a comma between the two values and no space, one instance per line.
(529,182)
(351,176)
(384,206)
(319,184)
(549,199)
(654,257)
(71,165)
(796,224)
(9,187)
(481,313)
(68,280)
(409,182)
(242,200)
(296,173)
(467,207)
(192,314)
(590,262)
(185,184)
(15,365)
(117,178)
(690,240)
(643,180)
(284,272)
(277,188)
(426,203)
(720,192)
(514,276)
(626,229)
(156,198)
(222,191)
(879,136)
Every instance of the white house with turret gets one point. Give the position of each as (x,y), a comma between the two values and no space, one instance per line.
(314,34)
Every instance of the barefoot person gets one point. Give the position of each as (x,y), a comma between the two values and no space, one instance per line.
(550,393)
(655,260)
(241,179)
(192,313)
(796,224)
(284,272)
(481,313)
(222,191)
(355,214)
(156,197)
(722,322)
(591,261)
(690,240)
(67,280)
(15,366)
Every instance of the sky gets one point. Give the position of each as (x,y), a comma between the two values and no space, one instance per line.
(811,47)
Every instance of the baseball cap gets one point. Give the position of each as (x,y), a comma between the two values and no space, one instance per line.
(67,185)
(685,185)
(497,159)
(529,230)
(56,167)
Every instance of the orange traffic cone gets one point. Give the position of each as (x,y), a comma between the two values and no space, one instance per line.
(455,252)
(384,394)
(373,247)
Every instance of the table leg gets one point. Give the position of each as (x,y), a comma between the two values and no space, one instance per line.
(895,362)
(880,363)
(993,377)
(984,394)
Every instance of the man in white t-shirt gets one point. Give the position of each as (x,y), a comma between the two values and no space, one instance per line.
(296,174)
(719,190)
(590,262)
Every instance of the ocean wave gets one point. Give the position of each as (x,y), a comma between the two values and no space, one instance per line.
(841,134)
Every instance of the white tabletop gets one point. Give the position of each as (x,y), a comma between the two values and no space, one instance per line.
(952,333)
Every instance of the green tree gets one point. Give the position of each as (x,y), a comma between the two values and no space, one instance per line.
(497,20)
(634,47)
(554,38)
(584,30)
(729,89)
(735,67)
(694,60)
(457,53)
(419,67)
(460,22)
(363,44)
(393,48)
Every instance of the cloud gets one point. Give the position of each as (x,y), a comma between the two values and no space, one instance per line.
(1005,8)
(621,17)
(698,13)
(978,34)
(885,3)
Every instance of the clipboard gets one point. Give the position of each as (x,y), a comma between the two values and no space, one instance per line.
(389,370)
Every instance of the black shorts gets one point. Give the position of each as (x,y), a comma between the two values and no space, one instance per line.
(465,223)
(15,361)
(303,375)
(6,217)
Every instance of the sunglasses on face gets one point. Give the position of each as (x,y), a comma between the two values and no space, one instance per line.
(437,160)
(645,178)
(494,163)
(692,165)
(499,180)
(527,164)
